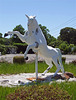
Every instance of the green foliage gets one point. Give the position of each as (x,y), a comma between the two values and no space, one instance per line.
(39,92)
(5,44)
(2,49)
(21,47)
(20,29)
(46,31)
(5,41)
(68,34)
(73,62)
(74,49)
(70,87)
(65,48)
(55,43)
(6,48)
(18,59)
(15,37)
(0,35)
(66,41)
(63,59)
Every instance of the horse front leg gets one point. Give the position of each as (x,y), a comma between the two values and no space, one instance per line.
(28,48)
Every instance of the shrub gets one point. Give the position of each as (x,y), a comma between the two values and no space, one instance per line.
(63,59)
(74,50)
(2,49)
(18,59)
(39,92)
(73,62)
(6,48)
(64,47)
(21,47)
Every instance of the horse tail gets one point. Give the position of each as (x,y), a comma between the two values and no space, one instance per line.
(60,59)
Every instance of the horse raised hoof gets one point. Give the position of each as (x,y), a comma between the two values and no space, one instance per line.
(26,58)
(5,34)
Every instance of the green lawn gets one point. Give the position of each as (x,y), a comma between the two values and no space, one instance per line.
(6,68)
(4,91)
(70,87)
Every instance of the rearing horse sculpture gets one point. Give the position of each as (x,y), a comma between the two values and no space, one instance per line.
(37,42)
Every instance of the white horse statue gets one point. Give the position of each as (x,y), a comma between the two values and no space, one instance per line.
(36,41)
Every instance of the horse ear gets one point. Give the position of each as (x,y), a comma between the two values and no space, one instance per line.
(34,16)
(27,16)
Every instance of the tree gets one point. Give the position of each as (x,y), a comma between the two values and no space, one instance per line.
(55,43)
(0,35)
(65,48)
(68,34)
(46,31)
(15,37)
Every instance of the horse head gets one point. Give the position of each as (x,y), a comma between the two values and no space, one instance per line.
(32,23)
(30,17)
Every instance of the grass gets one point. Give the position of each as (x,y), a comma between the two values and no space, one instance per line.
(4,91)
(6,68)
(70,87)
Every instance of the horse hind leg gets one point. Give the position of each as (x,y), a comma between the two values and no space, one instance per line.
(50,66)
(57,65)
(60,62)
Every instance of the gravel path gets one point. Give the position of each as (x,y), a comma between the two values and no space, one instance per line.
(31,57)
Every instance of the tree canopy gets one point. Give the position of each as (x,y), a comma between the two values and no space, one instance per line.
(0,35)
(15,37)
(46,31)
(68,34)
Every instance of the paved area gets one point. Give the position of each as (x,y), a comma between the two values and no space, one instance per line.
(69,58)
(31,57)
(9,58)
(21,79)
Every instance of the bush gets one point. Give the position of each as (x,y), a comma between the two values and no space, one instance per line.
(74,49)
(18,59)
(6,49)
(63,59)
(65,48)
(39,92)
(21,47)
(73,62)
(2,49)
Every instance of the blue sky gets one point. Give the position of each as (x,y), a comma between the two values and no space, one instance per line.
(54,14)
